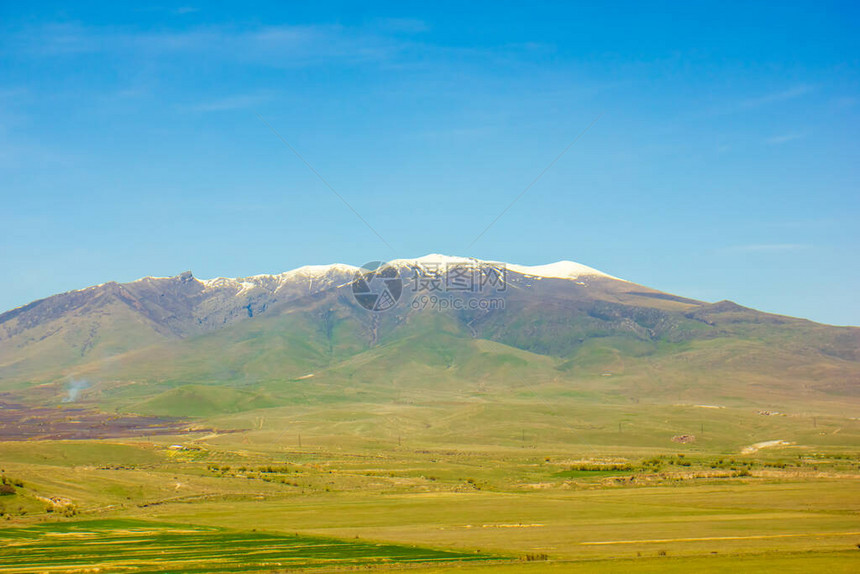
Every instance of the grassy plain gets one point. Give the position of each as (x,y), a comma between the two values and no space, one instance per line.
(562,490)
(144,546)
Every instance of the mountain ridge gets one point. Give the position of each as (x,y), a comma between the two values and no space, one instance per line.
(266,330)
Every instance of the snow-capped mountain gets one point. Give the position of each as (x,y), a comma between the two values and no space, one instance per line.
(312,277)
(112,318)
(184,305)
(557,270)
(547,309)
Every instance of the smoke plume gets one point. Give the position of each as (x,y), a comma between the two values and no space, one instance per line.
(74,389)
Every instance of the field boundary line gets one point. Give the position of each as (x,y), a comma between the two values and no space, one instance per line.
(712,538)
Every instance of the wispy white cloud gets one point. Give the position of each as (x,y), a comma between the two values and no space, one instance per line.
(791,93)
(761,101)
(783,138)
(10,103)
(273,46)
(766,248)
(845,102)
(803,224)
(23,154)
(235,102)
(10,93)
(463,132)
(407,25)
(387,42)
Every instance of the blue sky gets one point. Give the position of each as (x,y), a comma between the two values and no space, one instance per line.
(724,164)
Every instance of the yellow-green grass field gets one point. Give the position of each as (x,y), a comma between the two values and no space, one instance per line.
(395,488)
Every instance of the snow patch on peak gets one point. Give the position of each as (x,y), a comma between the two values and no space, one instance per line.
(273,282)
(319,270)
(241,284)
(559,270)
(435,259)
(217,282)
(150,278)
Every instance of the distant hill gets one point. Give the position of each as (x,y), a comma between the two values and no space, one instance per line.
(461,327)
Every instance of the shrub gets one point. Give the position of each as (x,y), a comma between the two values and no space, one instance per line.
(6,489)
(534,557)
(601,467)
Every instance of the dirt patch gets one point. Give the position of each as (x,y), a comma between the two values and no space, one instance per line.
(19,422)
(684,438)
(753,448)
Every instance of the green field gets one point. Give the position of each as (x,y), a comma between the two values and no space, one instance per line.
(689,456)
(256,501)
(139,546)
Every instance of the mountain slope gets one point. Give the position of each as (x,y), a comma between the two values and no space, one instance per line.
(300,338)
(107,320)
